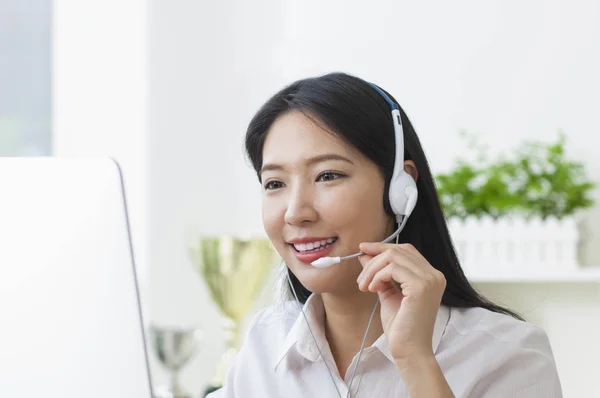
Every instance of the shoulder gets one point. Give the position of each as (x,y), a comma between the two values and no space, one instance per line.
(277,316)
(497,328)
(265,333)
(504,356)
(269,327)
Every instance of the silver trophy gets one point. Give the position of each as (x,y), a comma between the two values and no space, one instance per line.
(174,348)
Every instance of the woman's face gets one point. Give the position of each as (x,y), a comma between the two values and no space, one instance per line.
(321,197)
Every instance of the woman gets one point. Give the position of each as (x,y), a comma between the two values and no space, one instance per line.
(398,320)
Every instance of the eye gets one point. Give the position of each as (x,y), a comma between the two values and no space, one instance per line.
(273,184)
(329,176)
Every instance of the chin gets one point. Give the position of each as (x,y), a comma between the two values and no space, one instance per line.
(336,278)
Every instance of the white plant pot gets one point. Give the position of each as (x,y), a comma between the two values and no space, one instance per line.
(515,244)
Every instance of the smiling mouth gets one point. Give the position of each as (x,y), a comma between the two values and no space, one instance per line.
(313,246)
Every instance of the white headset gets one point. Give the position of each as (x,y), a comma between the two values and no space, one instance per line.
(403,192)
(403,198)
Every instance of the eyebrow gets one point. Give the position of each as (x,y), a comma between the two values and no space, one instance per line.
(310,161)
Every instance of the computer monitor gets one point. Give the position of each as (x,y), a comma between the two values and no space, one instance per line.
(70,317)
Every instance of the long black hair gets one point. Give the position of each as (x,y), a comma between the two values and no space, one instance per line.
(351,109)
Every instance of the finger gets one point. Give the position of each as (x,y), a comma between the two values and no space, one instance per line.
(407,255)
(374,248)
(370,268)
(390,274)
(413,263)
(364,259)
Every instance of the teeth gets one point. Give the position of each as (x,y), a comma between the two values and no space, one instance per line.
(303,247)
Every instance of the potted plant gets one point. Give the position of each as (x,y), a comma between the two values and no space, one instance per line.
(516,210)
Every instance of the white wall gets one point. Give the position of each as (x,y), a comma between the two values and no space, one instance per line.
(507,70)
(99,94)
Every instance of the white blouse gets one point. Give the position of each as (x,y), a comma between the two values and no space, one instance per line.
(481,353)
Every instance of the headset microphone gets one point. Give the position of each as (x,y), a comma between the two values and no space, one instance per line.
(403,192)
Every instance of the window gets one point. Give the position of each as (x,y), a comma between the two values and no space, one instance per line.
(25,73)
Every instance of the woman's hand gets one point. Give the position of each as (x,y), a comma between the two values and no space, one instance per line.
(408,313)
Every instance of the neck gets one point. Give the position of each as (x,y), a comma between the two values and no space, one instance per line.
(346,320)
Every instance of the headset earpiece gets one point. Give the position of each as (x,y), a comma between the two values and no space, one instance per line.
(403,192)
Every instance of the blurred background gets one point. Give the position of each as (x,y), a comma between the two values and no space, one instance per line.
(168,88)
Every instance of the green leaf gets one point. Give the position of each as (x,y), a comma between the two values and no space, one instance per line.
(536,180)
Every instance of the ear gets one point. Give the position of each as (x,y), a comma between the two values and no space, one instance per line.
(411,169)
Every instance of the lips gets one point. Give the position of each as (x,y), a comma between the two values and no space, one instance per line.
(309,250)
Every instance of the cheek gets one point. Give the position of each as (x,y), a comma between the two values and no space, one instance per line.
(358,214)
(351,207)
(272,217)
(334,207)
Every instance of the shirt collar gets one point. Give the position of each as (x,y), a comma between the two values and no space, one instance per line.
(300,335)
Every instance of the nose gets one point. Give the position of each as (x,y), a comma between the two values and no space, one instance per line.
(300,207)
